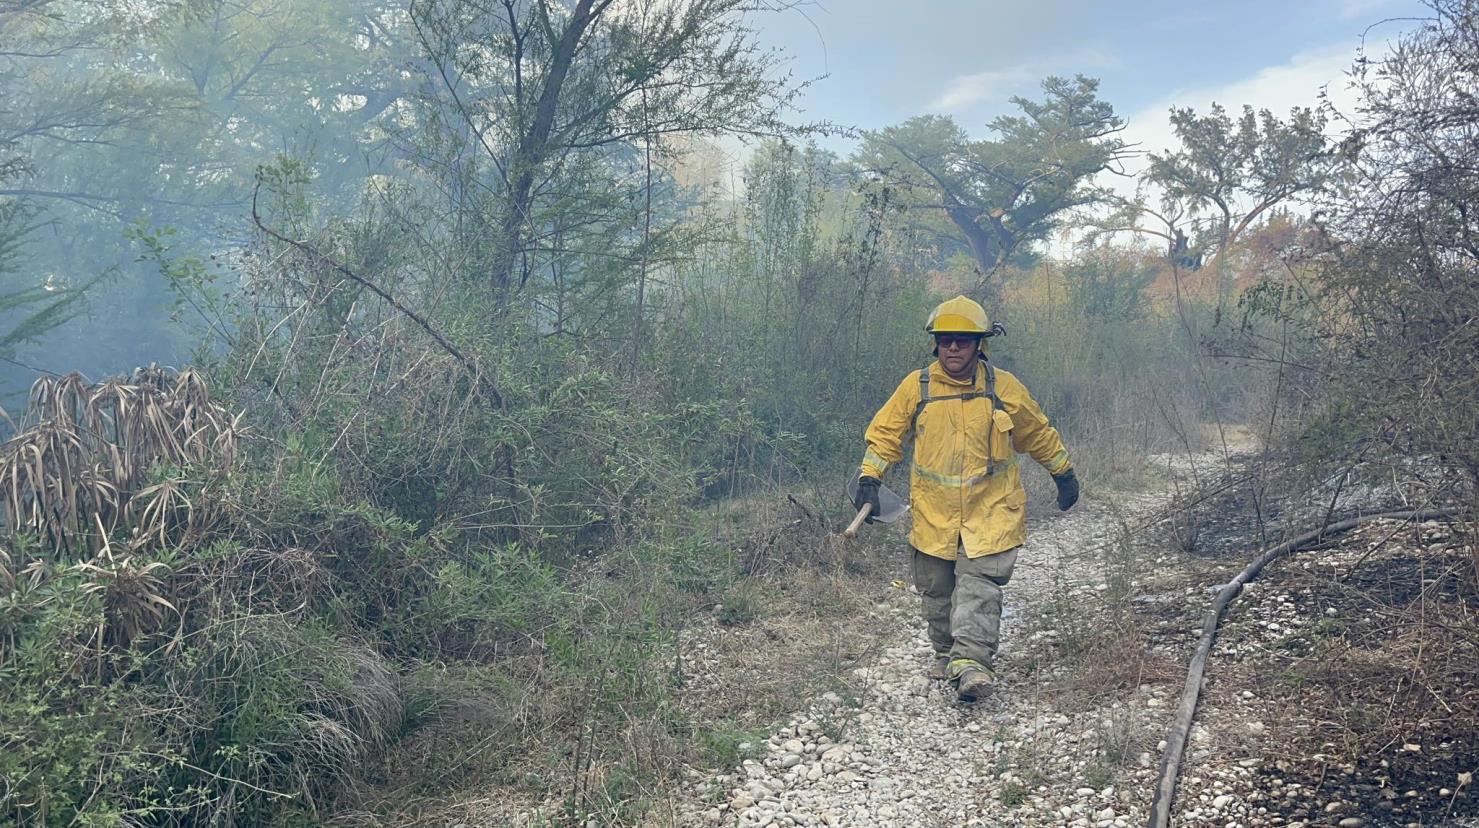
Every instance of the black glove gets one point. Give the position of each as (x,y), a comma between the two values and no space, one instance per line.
(867,493)
(1067,489)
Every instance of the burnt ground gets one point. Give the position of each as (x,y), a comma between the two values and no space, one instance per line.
(1344,686)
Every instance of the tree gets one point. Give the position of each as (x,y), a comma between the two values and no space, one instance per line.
(39,41)
(35,306)
(1003,193)
(1393,315)
(543,88)
(121,112)
(1225,176)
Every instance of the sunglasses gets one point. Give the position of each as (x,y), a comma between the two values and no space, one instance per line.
(947,341)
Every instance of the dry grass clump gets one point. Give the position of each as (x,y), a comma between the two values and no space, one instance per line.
(1411,655)
(1121,660)
(102,478)
(165,662)
(88,461)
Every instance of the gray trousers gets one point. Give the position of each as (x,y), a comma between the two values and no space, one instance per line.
(962,602)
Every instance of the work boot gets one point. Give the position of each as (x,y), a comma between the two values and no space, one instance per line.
(972,685)
(972,679)
(937,668)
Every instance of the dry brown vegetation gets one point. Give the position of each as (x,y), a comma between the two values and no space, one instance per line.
(1368,681)
(88,461)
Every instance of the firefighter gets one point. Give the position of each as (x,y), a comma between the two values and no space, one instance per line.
(969,421)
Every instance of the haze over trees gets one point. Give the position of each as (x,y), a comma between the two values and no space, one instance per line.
(500,374)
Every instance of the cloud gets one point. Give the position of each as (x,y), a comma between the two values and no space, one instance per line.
(966,90)
(997,85)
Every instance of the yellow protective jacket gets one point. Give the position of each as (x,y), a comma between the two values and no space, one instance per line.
(964,485)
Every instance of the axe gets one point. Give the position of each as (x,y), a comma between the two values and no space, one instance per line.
(891,507)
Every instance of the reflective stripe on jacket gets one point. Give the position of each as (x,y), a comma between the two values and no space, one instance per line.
(954,501)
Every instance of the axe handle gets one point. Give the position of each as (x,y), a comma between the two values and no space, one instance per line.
(852,528)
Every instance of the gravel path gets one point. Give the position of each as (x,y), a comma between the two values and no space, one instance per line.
(905,753)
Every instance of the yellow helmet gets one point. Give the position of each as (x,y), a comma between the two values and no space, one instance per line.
(958,315)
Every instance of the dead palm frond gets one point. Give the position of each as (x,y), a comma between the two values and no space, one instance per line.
(133,596)
(90,461)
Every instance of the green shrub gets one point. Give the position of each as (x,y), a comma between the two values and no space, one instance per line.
(743,603)
(726,746)
(699,564)
(64,734)
(242,720)
(494,592)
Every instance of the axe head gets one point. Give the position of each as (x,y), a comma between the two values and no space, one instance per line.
(891,506)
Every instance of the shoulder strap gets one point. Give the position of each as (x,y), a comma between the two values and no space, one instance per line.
(926,399)
(973,394)
(991,423)
(924,394)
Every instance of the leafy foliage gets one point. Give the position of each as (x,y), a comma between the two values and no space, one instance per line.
(1398,276)
(1226,177)
(1002,194)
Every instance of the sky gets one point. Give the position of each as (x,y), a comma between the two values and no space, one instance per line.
(879,62)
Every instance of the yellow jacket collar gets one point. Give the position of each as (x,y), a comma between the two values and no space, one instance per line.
(937,373)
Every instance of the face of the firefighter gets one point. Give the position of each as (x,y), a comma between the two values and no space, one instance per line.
(958,353)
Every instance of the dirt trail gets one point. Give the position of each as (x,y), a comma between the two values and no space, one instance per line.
(903,752)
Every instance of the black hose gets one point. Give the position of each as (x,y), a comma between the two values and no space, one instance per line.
(1165,789)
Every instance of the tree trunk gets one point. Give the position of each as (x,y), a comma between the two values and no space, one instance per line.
(988,250)
(534,147)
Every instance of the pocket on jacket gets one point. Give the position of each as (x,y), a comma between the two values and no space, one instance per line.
(1001,437)
(1015,499)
